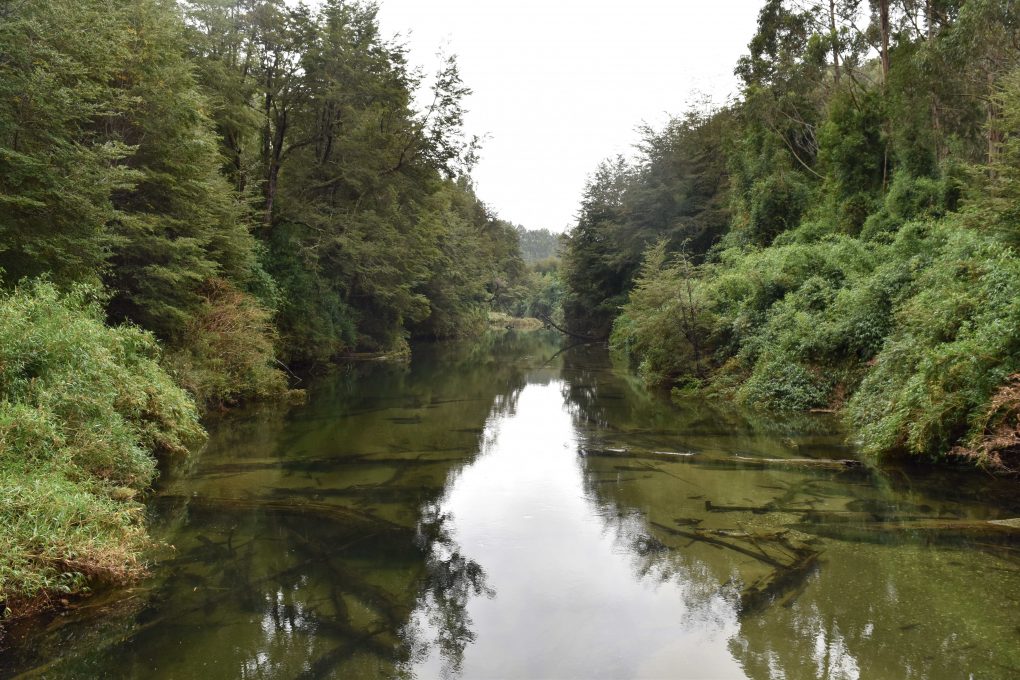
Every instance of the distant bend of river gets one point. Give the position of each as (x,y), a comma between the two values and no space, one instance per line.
(517,508)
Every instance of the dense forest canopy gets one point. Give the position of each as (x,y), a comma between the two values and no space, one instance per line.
(842,236)
(177,151)
(191,194)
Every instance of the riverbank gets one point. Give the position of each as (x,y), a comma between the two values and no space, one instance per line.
(84,410)
(500,321)
(407,505)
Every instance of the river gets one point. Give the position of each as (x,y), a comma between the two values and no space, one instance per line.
(512,508)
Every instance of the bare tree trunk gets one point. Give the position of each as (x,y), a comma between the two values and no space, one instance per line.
(883,9)
(835,41)
(994,136)
(936,121)
(273,165)
(883,18)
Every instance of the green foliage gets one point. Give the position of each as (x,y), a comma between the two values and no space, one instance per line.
(228,355)
(870,262)
(851,151)
(243,177)
(112,167)
(781,382)
(542,295)
(314,321)
(180,224)
(475,264)
(82,406)
(57,170)
(676,192)
(953,346)
(775,204)
(538,244)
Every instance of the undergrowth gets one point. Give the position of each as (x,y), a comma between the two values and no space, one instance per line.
(83,407)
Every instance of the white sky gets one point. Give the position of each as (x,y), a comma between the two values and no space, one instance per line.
(561,84)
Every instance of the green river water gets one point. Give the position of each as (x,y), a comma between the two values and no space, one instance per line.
(512,509)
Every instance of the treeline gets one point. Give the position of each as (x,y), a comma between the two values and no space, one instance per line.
(541,290)
(538,244)
(193,195)
(842,237)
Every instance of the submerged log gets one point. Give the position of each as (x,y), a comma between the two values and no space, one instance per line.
(329,464)
(833,463)
(926,531)
(736,462)
(755,509)
(706,537)
(324,511)
(758,509)
(864,517)
(374,356)
(670,456)
(784,580)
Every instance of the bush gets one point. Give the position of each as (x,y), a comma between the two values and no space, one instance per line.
(781,382)
(953,347)
(228,354)
(82,406)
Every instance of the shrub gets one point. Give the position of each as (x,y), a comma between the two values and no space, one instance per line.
(82,406)
(228,353)
(954,345)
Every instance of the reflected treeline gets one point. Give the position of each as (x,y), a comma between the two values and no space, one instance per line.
(300,540)
(312,542)
(831,571)
(441,607)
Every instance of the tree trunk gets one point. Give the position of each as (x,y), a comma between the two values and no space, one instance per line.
(883,10)
(835,41)
(994,136)
(273,169)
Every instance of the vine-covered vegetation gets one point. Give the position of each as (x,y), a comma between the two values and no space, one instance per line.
(842,237)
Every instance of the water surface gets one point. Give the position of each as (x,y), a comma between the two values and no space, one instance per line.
(510,508)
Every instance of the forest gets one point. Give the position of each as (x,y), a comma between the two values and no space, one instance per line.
(197,198)
(842,237)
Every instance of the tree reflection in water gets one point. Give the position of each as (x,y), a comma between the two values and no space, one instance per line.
(506,509)
(901,605)
(441,608)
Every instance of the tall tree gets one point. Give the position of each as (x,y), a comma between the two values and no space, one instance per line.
(59,165)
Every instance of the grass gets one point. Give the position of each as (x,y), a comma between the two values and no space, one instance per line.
(83,408)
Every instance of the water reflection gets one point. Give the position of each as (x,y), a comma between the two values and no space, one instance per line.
(567,600)
(898,603)
(510,509)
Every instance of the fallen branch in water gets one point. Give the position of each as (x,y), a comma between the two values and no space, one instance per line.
(326,511)
(545,319)
(763,592)
(926,531)
(835,463)
(785,577)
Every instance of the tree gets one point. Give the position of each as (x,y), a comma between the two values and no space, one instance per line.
(58,165)
(180,224)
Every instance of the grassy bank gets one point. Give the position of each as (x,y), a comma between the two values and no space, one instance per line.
(83,408)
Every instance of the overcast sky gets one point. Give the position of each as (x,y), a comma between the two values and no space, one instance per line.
(561,84)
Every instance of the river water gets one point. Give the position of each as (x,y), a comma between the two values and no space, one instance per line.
(512,509)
